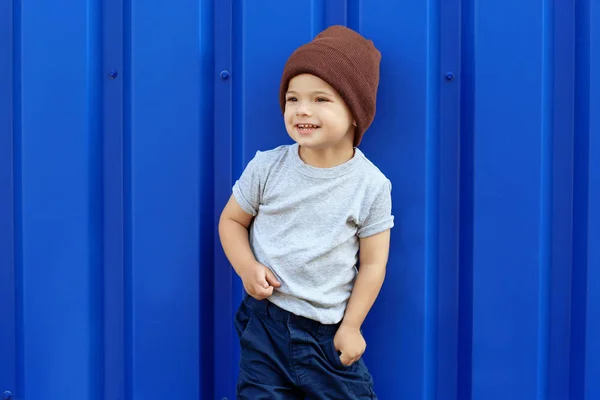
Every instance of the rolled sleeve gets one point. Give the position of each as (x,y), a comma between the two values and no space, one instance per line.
(379,216)
(247,189)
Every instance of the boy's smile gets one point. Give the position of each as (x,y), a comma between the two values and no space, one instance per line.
(306,129)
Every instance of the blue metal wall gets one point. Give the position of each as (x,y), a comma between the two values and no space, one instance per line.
(123,124)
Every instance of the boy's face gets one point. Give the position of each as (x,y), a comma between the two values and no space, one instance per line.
(315,115)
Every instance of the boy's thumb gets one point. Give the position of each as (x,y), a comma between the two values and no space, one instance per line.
(271,279)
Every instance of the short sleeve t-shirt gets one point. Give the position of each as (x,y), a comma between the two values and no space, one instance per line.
(307,224)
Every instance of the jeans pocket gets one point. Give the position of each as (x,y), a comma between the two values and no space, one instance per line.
(243,317)
(333,355)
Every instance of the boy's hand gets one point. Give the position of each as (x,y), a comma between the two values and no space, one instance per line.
(259,281)
(351,343)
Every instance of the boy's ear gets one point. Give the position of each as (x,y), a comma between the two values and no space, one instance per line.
(354,123)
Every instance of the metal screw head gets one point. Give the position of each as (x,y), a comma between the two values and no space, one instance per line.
(225,75)
(113,74)
(449,76)
(7,395)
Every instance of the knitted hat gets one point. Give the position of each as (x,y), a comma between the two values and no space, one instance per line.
(346,61)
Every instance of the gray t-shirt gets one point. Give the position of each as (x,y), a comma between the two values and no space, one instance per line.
(307,225)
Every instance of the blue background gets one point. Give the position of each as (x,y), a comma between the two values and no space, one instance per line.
(120,141)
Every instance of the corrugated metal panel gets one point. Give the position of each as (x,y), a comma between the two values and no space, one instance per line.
(123,125)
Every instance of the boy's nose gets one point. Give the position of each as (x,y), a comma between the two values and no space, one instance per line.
(302,110)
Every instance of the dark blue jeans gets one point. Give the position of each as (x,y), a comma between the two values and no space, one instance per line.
(287,357)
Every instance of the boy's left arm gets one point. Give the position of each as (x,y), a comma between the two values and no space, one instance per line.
(374,252)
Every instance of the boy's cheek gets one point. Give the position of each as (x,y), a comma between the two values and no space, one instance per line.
(289,113)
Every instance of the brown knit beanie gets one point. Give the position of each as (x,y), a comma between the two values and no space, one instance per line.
(346,61)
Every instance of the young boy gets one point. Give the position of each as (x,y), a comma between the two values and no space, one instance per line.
(294,224)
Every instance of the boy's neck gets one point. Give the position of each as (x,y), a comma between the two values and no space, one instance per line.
(326,158)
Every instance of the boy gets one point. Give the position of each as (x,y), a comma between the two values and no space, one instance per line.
(294,224)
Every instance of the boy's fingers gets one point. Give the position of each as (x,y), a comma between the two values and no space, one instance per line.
(271,279)
(263,293)
(262,282)
(343,360)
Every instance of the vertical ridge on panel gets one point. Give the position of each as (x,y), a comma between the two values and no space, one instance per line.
(239,137)
(239,104)
(7,196)
(59,224)
(448,266)
(580,201)
(113,200)
(205,195)
(353,14)
(561,223)
(317,17)
(507,185)
(165,179)
(129,378)
(432,204)
(17,161)
(467,129)
(546,195)
(223,327)
(95,194)
(113,192)
(592,366)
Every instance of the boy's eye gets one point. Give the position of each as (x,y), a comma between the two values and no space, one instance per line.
(291,99)
(321,99)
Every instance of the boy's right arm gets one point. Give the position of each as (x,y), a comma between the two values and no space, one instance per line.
(258,280)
